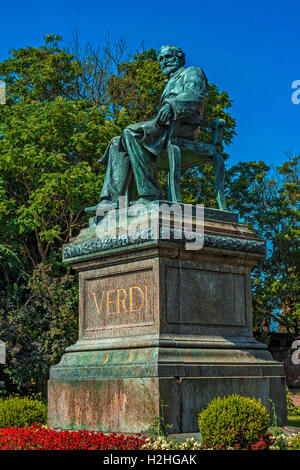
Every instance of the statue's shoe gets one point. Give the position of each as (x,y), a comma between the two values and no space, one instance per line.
(144,200)
(103,205)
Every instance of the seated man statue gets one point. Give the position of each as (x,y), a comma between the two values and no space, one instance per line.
(135,152)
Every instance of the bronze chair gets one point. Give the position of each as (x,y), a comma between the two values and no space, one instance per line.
(183,154)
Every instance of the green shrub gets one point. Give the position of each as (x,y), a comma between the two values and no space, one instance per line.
(294,411)
(233,421)
(291,408)
(21,411)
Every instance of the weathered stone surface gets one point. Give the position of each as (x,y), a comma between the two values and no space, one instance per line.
(160,321)
(131,404)
(225,233)
(104,405)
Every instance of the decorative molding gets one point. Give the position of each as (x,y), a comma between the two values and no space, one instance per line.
(224,242)
(235,244)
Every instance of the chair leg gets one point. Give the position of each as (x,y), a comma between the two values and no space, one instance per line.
(173,182)
(130,189)
(219,168)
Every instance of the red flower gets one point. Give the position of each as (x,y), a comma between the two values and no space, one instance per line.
(36,437)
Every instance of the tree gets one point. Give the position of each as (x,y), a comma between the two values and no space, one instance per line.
(50,140)
(37,324)
(269,204)
(63,107)
(48,148)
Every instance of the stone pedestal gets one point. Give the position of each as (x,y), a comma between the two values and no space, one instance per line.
(162,329)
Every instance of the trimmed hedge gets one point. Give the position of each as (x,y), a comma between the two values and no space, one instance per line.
(21,411)
(233,421)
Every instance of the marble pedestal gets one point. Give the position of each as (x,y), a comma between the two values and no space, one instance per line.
(162,325)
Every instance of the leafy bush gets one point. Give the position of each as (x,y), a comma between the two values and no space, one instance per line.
(295,411)
(17,411)
(38,329)
(233,421)
(292,409)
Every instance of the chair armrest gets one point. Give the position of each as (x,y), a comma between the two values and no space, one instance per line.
(217,127)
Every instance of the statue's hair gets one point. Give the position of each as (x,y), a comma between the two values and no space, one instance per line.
(176,51)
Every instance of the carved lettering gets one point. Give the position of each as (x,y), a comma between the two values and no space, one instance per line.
(122,301)
(98,306)
(108,300)
(136,297)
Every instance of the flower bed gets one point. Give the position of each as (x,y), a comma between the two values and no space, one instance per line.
(269,442)
(38,437)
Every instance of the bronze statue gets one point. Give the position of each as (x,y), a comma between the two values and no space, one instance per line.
(136,153)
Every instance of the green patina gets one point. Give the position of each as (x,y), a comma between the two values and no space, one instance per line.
(166,142)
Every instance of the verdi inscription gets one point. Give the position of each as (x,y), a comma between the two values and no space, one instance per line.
(115,301)
(118,301)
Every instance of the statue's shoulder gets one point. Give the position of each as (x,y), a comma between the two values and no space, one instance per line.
(195,72)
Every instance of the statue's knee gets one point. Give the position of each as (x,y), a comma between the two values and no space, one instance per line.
(126,136)
(127,132)
(115,142)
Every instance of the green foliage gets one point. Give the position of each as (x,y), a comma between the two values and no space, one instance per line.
(62,110)
(269,203)
(291,408)
(17,411)
(138,86)
(294,412)
(233,420)
(37,326)
(50,140)
(159,427)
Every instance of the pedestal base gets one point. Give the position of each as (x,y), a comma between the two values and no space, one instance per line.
(163,330)
(125,390)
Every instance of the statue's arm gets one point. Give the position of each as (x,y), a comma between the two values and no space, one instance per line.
(193,93)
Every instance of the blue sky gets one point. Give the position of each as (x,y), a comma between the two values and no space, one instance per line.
(248,48)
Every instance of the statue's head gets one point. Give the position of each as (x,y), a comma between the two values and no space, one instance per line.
(170,59)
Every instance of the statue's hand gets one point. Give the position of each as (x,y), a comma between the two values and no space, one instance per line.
(164,115)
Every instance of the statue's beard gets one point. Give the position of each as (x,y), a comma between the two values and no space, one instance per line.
(170,69)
